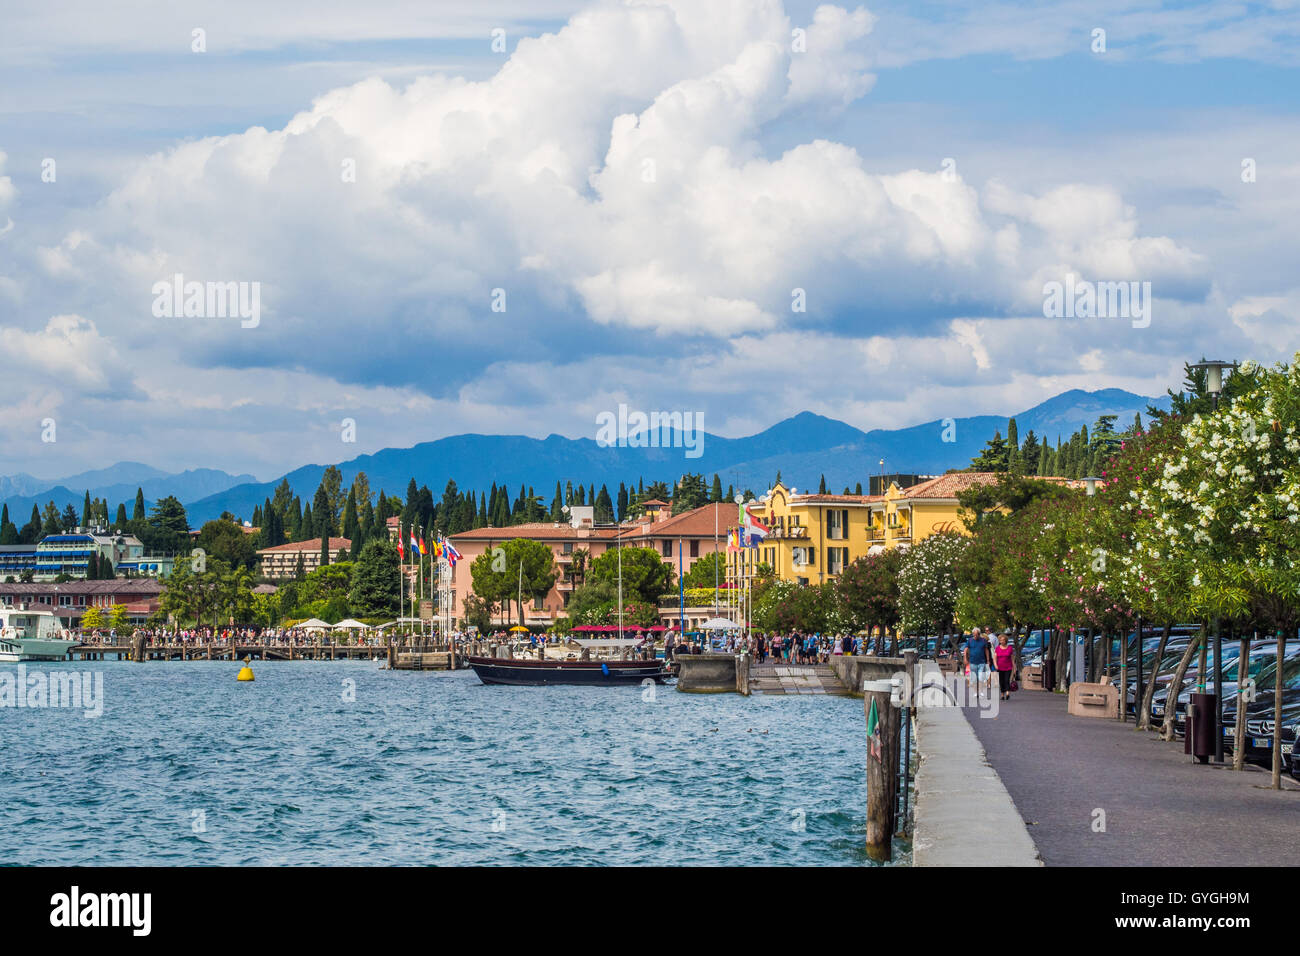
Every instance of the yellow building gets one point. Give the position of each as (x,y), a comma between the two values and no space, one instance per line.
(813,537)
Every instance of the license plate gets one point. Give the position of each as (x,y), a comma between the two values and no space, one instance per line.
(1228,731)
(1263,742)
(1286,749)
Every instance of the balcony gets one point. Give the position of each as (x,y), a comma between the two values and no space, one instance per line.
(875,534)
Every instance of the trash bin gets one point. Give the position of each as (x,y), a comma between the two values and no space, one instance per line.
(1049,674)
(1198,740)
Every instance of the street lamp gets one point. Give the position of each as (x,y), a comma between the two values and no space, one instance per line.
(1090,483)
(1214,370)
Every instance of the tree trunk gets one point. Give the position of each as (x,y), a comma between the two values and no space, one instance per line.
(1022,640)
(1277,712)
(1144,713)
(1175,685)
(1239,728)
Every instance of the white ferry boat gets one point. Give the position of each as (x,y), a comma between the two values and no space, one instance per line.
(32,636)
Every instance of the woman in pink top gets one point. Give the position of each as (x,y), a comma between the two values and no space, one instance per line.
(1004,658)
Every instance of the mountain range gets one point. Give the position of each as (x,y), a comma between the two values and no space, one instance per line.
(802,448)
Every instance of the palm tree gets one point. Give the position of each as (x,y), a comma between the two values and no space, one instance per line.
(578,570)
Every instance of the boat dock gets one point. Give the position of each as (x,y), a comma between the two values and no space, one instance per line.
(225,652)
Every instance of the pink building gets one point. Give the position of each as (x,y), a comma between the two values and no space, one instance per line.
(657,529)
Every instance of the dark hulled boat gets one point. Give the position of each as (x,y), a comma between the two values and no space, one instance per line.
(535,673)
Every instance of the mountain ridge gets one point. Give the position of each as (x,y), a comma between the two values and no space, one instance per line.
(803,447)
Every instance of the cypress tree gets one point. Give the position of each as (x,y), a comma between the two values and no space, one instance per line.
(351,520)
(120,521)
(85,511)
(324,551)
(821,488)
(138,514)
(857,489)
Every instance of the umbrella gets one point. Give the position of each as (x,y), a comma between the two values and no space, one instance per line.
(718,624)
(352,624)
(314,624)
(518,628)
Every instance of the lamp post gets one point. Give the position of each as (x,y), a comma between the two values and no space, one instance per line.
(1090,483)
(1214,369)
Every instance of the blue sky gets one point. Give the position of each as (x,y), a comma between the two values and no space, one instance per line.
(771,169)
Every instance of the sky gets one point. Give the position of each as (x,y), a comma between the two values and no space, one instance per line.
(508,217)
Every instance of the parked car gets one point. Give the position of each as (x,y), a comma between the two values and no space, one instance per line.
(1259,728)
(1262,669)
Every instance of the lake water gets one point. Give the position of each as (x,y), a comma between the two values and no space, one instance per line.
(187,766)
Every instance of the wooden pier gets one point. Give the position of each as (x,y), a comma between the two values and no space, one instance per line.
(226,652)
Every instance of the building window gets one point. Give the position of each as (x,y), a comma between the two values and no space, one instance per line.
(695,547)
(568,547)
(836,559)
(668,549)
(837,524)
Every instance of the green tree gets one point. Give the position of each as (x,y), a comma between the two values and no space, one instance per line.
(927,584)
(375,587)
(868,590)
(708,571)
(227,540)
(524,568)
(645,574)
(993,457)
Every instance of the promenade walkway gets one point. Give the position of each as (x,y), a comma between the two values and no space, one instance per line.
(1161,809)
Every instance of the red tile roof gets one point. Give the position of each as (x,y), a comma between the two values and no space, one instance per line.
(949,486)
(538,530)
(828,499)
(696,523)
(311,545)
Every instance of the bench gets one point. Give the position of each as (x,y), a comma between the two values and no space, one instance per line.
(1094,700)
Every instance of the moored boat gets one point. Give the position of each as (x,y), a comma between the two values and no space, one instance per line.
(493,670)
(32,636)
(534,672)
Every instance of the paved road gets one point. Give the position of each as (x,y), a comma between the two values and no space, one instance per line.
(1161,809)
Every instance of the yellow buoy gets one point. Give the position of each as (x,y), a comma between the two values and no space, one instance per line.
(246,672)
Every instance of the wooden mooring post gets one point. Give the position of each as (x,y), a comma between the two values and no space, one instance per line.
(883,720)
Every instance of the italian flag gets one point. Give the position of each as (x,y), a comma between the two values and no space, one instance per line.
(873,732)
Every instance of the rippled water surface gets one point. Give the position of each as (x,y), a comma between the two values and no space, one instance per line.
(425,768)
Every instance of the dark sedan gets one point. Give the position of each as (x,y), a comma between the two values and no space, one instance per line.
(1259,729)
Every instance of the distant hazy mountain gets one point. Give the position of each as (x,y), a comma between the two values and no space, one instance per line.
(802,448)
(116,483)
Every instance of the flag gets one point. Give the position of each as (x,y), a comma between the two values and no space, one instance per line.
(873,732)
(415,545)
(756,529)
(452,554)
(437,546)
(422,548)
(731,541)
(401,552)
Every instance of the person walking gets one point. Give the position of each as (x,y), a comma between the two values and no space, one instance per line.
(1004,657)
(977,655)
